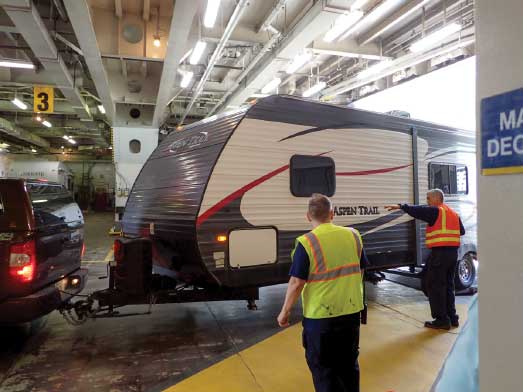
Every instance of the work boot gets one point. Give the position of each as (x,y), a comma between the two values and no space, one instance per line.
(438,324)
(454,322)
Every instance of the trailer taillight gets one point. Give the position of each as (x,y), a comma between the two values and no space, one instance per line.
(22,261)
(118,251)
(221,238)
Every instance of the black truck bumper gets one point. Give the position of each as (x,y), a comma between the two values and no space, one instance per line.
(25,309)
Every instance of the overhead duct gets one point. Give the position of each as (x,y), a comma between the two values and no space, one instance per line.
(13,131)
(26,18)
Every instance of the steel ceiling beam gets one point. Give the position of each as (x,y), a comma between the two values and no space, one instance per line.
(81,20)
(26,18)
(181,25)
(312,24)
(231,25)
(16,132)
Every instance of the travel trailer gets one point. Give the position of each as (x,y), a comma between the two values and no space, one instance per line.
(224,199)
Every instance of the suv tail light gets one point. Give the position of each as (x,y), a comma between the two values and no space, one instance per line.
(22,261)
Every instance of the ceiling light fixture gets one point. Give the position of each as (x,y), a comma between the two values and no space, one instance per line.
(38,118)
(197,52)
(259,95)
(432,39)
(16,64)
(299,61)
(19,103)
(156,41)
(101,109)
(65,137)
(33,150)
(314,89)
(342,24)
(374,69)
(47,124)
(71,140)
(271,86)
(186,79)
(371,17)
(210,13)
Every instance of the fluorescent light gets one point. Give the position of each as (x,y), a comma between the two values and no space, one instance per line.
(47,124)
(342,23)
(110,147)
(19,103)
(358,5)
(186,79)
(272,85)
(298,62)
(374,69)
(38,118)
(16,64)
(374,15)
(210,13)
(314,89)
(432,39)
(65,137)
(40,201)
(101,109)
(33,150)
(70,140)
(197,52)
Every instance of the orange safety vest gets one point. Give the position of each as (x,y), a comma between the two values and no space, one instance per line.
(445,232)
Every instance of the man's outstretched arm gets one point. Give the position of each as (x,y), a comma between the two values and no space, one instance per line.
(294,290)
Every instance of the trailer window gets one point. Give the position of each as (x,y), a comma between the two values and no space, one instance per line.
(451,179)
(312,174)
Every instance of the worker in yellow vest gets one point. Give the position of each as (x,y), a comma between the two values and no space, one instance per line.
(443,239)
(327,270)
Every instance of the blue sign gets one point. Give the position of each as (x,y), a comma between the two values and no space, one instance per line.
(502,133)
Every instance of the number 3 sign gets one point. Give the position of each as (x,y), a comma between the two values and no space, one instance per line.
(43,99)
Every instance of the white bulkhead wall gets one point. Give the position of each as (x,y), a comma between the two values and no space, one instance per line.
(128,163)
(500,69)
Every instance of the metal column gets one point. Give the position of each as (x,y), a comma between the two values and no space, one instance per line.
(415,171)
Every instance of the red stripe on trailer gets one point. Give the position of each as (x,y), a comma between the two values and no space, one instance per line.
(236,194)
(376,171)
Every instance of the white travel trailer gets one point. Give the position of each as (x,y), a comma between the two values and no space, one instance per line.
(52,171)
(224,199)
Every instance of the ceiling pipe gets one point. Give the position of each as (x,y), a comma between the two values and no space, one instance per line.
(268,45)
(233,22)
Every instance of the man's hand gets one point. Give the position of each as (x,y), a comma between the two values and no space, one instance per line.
(393,207)
(283,319)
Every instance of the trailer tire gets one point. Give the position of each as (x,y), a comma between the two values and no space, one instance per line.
(465,272)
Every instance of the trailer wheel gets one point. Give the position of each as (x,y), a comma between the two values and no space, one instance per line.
(465,272)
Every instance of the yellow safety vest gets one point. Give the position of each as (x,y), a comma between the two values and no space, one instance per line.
(334,286)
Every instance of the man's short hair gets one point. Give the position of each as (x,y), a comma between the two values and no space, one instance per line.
(438,193)
(320,207)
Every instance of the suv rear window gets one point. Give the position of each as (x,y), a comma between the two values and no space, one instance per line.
(49,202)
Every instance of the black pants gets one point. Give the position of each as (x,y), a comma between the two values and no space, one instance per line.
(441,271)
(332,356)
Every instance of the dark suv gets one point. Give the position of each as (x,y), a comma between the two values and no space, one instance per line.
(41,245)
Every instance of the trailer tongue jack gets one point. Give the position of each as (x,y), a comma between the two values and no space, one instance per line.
(131,282)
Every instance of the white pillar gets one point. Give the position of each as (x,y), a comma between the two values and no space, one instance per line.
(499,29)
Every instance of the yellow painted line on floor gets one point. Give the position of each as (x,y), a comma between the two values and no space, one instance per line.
(397,354)
(109,256)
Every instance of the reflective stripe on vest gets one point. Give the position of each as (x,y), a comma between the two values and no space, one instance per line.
(321,272)
(334,285)
(445,231)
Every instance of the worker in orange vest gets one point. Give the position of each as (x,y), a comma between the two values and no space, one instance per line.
(443,239)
